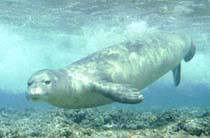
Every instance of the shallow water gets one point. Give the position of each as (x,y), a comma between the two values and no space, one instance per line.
(39,34)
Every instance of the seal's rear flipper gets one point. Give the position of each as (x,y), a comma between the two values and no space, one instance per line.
(119,92)
(190,53)
(177,74)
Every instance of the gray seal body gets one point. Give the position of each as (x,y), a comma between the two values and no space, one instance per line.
(114,74)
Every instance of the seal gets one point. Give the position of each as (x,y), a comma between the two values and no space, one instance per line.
(114,74)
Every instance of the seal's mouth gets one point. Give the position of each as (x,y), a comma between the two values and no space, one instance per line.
(36,94)
(34,98)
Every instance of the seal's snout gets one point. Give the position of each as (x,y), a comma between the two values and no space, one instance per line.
(32,97)
(35,94)
(35,90)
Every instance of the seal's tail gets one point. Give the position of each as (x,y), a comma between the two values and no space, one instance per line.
(177,70)
(190,53)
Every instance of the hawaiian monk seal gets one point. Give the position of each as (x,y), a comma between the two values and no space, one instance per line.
(116,73)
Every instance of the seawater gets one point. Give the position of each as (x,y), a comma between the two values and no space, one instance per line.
(51,34)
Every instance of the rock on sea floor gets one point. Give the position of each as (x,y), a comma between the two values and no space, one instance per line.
(103,123)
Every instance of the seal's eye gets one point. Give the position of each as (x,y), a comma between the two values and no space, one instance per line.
(29,83)
(47,82)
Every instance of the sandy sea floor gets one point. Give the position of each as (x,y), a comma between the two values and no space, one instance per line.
(103,123)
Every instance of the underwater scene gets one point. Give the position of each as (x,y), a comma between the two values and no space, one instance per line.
(104,68)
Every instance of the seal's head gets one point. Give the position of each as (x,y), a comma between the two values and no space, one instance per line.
(40,85)
(44,85)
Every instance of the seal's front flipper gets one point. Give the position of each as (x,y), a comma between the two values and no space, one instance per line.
(177,74)
(119,92)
